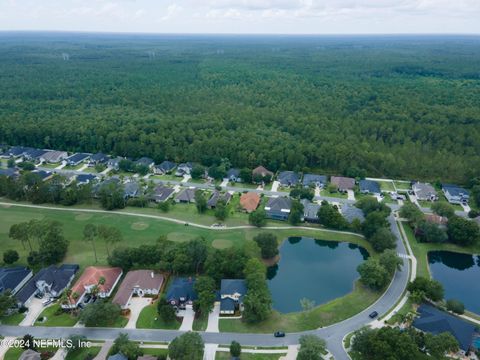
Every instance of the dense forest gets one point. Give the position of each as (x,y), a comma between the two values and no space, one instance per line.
(405,107)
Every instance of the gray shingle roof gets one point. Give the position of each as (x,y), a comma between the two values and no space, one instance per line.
(232,286)
(182,288)
(279,203)
(167,165)
(310,210)
(288,178)
(10,278)
(309,179)
(351,213)
(162,193)
(59,277)
(455,190)
(369,186)
(186,195)
(79,157)
(216,197)
(435,321)
(144,161)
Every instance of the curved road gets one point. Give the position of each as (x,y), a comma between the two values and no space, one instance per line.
(332,334)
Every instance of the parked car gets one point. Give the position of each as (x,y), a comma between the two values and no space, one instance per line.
(279,334)
(373,314)
(47,302)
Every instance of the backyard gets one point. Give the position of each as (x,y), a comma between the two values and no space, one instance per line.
(139,230)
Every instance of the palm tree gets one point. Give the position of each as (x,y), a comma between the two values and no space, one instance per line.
(90,232)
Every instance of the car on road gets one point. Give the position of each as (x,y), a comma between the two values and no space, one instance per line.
(373,314)
(279,334)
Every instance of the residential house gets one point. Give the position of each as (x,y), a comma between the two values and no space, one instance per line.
(165,167)
(98,186)
(118,356)
(30,354)
(9,172)
(310,211)
(437,219)
(14,278)
(131,189)
(162,193)
(181,293)
(216,197)
(233,175)
(185,196)
(53,157)
(33,155)
(261,172)
(369,187)
(184,169)
(44,175)
(351,213)
(77,159)
(50,281)
(288,178)
(114,163)
(145,161)
(103,279)
(139,283)
(83,179)
(434,321)
(249,201)
(343,183)
(424,192)
(278,208)
(99,158)
(455,194)
(16,151)
(319,181)
(232,292)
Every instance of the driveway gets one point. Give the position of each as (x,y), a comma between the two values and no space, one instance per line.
(210,351)
(350,195)
(102,355)
(213,319)
(291,354)
(34,310)
(4,346)
(188,317)
(136,306)
(275,186)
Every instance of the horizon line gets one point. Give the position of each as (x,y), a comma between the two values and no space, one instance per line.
(236,34)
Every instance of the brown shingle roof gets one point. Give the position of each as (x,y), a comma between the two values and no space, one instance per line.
(343,183)
(260,170)
(142,279)
(436,219)
(250,201)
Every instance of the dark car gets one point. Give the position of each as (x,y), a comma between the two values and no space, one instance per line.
(279,334)
(373,314)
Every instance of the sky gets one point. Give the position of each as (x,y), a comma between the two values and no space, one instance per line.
(244,16)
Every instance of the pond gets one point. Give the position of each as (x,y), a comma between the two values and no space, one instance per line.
(317,270)
(459,275)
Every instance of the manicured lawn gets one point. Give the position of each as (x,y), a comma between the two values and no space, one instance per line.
(200,323)
(56,317)
(166,177)
(337,194)
(14,353)
(135,235)
(154,352)
(402,185)
(242,185)
(149,319)
(81,354)
(50,166)
(386,185)
(224,355)
(420,250)
(323,315)
(68,167)
(13,319)
(404,310)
